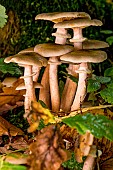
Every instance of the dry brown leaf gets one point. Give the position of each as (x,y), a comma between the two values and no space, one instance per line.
(47,152)
(6,128)
(19,143)
(10,95)
(39,112)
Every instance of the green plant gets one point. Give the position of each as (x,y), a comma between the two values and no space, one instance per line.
(3,16)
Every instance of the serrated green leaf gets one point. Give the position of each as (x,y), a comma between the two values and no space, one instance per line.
(95,82)
(11,68)
(99,125)
(8,166)
(93,85)
(108,72)
(107,95)
(3,16)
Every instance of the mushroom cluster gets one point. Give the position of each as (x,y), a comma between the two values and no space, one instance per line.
(77,51)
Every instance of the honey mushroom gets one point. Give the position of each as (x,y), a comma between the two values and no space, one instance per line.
(61,38)
(35,69)
(83,57)
(27,60)
(77,25)
(53,51)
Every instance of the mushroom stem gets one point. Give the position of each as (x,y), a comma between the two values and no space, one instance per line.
(81,89)
(44,93)
(30,91)
(54,88)
(77,38)
(61,40)
(89,163)
(36,69)
(69,91)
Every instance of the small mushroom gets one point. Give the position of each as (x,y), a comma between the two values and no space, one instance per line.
(84,57)
(35,69)
(27,60)
(53,51)
(35,85)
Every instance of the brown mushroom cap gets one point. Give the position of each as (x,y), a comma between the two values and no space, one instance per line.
(94,44)
(52,50)
(29,58)
(30,49)
(35,85)
(61,16)
(78,22)
(80,56)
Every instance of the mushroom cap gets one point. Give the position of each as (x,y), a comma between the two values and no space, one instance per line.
(30,49)
(29,58)
(8,81)
(78,22)
(61,16)
(52,50)
(79,56)
(94,44)
(35,85)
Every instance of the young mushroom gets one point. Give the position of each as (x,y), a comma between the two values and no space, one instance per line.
(35,69)
(83,57)
(27,60)
(53,51)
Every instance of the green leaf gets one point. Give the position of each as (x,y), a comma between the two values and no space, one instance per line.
(110,40)
(93,85)
(3,16)
(106,31)
(107,94)
(102,79)
(11,68)
(70,76)
(8,166)
(95,82)
(108,72)
(99,125)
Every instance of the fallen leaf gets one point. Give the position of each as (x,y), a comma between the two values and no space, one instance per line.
(10,95)
(6,128)
(46,151)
